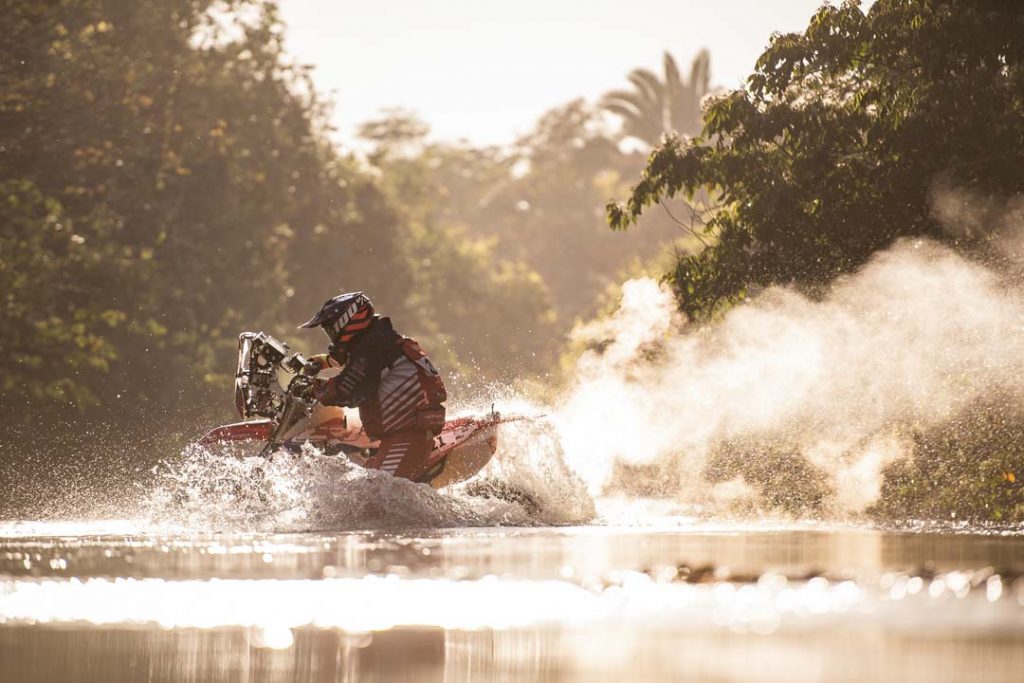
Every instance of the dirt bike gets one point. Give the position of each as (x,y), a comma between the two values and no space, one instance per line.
(276,418)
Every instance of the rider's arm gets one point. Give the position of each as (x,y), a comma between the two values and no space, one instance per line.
(356,382)
(322,361)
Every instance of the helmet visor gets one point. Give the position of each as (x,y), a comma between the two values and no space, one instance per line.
(334,328)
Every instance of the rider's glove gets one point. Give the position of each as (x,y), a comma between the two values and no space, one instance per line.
(317,363)
(322,390)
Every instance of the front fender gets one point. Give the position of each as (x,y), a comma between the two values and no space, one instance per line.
(250,430)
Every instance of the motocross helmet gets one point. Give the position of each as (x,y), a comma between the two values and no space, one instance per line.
(343,317)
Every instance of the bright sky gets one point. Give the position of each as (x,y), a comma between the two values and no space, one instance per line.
(485,70)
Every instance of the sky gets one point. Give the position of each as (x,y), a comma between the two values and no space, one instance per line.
(486,70)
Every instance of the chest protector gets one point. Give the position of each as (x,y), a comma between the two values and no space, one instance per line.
(430,377)
(431,414)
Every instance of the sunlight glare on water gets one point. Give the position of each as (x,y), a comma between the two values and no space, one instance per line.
(378,603)
(516,604)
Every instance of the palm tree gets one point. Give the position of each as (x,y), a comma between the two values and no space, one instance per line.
(654,107)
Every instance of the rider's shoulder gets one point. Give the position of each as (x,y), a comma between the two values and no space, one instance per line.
(376,339)
(382,331)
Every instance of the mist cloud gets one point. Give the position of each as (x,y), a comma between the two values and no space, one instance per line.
(974,215)
(916,336)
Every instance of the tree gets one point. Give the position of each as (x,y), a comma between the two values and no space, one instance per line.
(654,107)
(487,315)
(165,184)
(531,204)
(552,207)
(491,228)
(834,147)
(45,262)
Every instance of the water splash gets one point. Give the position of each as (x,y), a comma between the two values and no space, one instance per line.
(526,484)
(789,402)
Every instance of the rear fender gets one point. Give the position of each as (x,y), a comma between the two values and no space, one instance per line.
(465,446)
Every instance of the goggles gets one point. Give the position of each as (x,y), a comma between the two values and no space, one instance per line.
(334,329)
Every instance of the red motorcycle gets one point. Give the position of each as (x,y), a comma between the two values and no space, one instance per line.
(276,418)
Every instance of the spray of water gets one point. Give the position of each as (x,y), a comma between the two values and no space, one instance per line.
(791,399)
(965,213)
(527,484)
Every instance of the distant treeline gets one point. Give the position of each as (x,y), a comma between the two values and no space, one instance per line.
(166,181)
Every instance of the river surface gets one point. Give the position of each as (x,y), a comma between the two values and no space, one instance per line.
(107,601)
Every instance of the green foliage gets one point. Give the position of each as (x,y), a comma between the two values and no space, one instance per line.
(777,469)
(492,229)
(51,346)
(165,183)
(489,317)
(493,315)
(968,468)
(832,149)
(547,209)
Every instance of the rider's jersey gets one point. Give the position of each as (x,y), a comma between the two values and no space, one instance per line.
(392,382)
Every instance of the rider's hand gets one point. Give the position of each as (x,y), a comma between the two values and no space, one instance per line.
(321,390)
(317,363)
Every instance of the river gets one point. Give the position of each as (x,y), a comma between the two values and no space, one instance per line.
(682,600)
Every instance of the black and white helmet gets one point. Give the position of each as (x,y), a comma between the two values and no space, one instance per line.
(343,317)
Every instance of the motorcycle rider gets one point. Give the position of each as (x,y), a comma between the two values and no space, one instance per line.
(398,391)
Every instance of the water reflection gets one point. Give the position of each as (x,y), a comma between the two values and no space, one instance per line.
(704,604)
(524,553)
(569,655)
(657,599)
